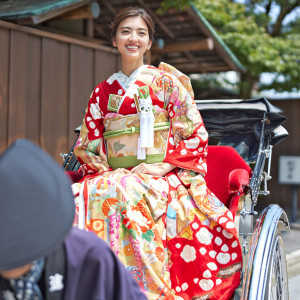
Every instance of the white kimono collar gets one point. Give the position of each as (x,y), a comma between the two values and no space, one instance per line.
(127,81)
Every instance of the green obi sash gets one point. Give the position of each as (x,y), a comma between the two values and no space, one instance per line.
(121,138)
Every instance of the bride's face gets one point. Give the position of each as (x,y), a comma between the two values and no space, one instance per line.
(132,38)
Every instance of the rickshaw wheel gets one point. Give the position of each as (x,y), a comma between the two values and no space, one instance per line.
(265,275)
(278,278)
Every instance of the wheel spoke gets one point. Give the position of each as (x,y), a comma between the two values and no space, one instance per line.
(278,274)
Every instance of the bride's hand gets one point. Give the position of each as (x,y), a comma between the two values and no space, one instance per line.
(120,171)
(153,169)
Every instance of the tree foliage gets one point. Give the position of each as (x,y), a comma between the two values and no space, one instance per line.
(261,33)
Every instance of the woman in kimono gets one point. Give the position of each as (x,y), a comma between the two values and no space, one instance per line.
(142,149)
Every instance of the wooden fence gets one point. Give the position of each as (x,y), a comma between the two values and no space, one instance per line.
(45,83)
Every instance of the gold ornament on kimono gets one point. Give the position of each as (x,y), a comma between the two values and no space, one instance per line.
(114,102)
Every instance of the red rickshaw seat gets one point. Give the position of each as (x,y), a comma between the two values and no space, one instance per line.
(227,173)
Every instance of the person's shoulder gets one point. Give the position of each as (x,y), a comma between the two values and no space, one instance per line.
(179,78)
(171,70)
(151,67)
(99,86)
(85,240)
(154,70)
(102,87)
(166,69)
(109,80)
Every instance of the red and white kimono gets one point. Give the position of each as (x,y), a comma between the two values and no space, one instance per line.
(174,236)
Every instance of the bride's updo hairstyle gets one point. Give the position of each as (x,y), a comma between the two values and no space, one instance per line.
(129,12)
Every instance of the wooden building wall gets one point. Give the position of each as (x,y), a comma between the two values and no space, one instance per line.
(280,193)
(45,83)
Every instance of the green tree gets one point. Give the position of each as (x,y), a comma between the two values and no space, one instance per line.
(261,33)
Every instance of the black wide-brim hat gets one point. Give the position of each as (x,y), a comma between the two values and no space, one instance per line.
(36,204)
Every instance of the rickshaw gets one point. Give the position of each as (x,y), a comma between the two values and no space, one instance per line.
(242,134)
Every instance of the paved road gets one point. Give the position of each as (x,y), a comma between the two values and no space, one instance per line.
(294,287)
(292,246)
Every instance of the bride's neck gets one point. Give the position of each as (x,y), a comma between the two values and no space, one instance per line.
(129,68)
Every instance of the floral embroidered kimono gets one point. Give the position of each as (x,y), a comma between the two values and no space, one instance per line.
(173,235)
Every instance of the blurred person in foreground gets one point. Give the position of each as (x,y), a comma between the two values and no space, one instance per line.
(41,257)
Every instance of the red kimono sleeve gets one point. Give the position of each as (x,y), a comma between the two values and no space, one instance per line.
(90,147)
(187,145)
